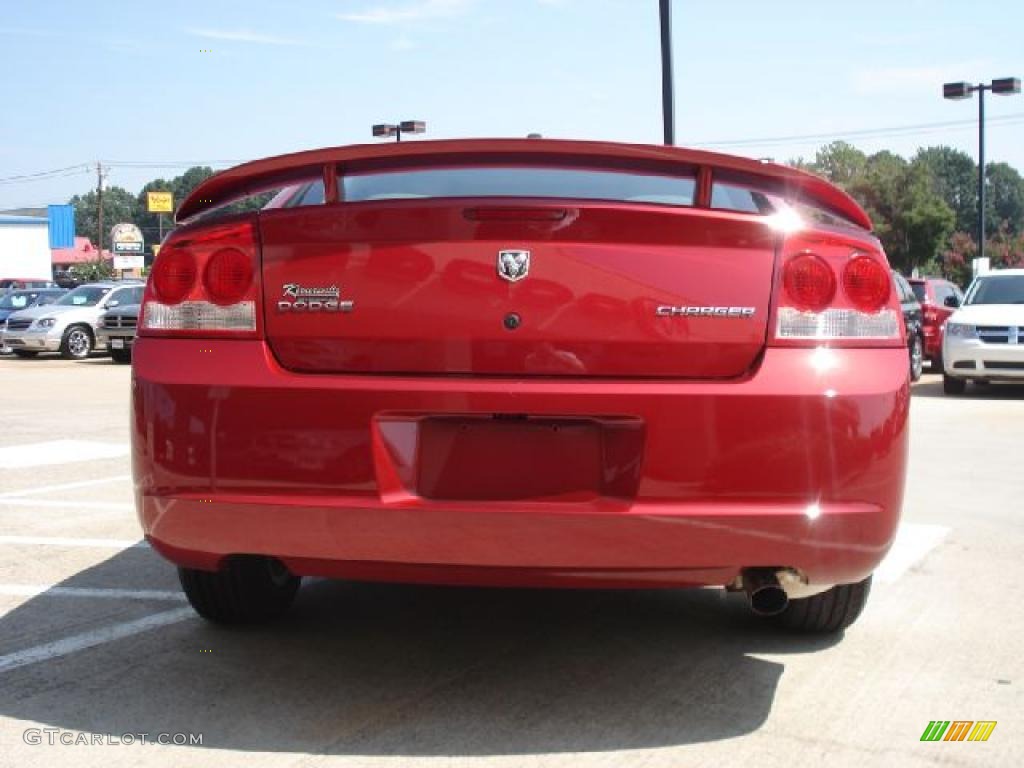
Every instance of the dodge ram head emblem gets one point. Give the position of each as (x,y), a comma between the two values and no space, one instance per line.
(513,265)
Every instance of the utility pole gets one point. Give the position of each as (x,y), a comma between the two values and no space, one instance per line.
(668,108)
(99,208)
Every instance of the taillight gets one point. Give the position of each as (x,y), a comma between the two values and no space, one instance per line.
(228,275)
(832,291)
(866,283)
(809,281)
(173,276)
(204,283)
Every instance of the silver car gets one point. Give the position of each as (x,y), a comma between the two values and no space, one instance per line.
(68,326)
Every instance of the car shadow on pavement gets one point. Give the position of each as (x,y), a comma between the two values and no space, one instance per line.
(932,387)
(365,669)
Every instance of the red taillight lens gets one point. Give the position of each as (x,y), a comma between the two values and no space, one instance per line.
(205,283)
(809,281)
(866,283)
(228,275)
(174,274)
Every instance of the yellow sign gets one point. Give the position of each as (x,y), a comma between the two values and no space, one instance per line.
(159,202)
(155,249)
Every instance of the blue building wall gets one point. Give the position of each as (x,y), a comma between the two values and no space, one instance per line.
(62,225)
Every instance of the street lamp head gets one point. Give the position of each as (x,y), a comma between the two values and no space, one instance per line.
(384,129)
(1006,85)
(956,91)
(413,126)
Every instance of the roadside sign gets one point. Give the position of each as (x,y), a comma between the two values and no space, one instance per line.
(129,262)
(159,202)
(127,238)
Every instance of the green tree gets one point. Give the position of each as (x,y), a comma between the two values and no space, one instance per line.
(840,163)
(1004,198)
(954,177)
(880,191)
(922,224)
(118,205)
(92,271)
(182,185)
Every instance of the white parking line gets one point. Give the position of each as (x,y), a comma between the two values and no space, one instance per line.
(69,504)
(58,452)
(64,486)
(35,590)
(913,542)
(62,541)
(91,639)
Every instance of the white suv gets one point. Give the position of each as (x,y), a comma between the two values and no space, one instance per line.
(984,339)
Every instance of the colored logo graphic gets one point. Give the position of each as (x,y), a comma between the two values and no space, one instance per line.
(958,730)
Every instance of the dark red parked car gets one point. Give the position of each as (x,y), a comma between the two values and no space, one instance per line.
(939,299)
(522,362)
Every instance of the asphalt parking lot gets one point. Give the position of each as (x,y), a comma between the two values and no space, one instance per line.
(96,642)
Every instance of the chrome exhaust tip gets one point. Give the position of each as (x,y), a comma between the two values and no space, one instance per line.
(764,592)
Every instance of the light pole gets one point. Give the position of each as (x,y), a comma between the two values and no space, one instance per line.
(1004,86)
(392,129)
(668,107)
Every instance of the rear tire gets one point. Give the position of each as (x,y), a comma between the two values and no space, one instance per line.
(916,357)
(826,612)
(952,386)
(25,353)
(248,590)
(122,356)
(76,343)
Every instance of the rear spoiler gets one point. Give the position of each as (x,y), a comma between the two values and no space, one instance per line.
(283,170)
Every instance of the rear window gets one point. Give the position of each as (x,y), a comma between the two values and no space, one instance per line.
(733,197)
(578,184)
(919,291)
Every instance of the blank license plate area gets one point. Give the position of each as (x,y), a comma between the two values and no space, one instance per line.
(494,459)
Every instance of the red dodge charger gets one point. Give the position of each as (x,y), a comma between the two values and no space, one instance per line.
(522,363)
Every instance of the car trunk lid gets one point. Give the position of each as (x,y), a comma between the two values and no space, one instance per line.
(516,287)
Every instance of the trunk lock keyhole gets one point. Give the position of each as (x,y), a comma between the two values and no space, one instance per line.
(512,321)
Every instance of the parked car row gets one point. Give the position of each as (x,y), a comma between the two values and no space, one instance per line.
(73,323)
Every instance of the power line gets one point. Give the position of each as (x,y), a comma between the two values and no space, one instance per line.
(903,130)
(918,129)
(57,173)
(170,163)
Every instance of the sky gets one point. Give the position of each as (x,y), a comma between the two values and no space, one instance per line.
(149,89)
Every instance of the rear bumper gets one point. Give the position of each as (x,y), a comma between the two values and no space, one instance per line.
(800,465)
(932,335)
